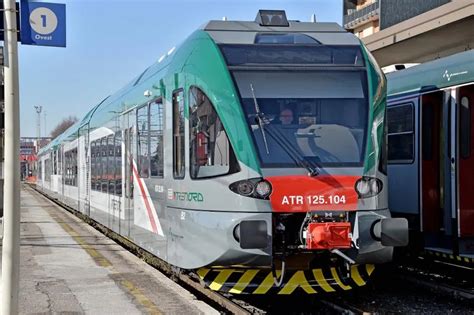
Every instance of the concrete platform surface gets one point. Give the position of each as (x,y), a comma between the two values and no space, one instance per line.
(69,267)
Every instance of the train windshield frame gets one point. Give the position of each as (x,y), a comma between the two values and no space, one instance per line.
(329,109)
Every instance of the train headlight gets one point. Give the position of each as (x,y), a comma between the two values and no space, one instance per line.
(245,188)
(263,189)
(253,187)
(368,187)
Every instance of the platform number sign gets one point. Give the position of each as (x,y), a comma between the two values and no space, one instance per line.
(43,24)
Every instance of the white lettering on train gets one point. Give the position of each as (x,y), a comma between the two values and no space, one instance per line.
(292,200)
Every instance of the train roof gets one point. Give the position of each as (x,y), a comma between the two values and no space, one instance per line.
(434,75)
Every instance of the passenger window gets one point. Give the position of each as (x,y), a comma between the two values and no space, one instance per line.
(178,134)
(400,133)
(111,164)
(142,141)
(103,154)
(209,148)
(465,128)
(118,163)
(156,139)
(92,165)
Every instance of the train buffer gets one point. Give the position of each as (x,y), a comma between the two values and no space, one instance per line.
(66,266)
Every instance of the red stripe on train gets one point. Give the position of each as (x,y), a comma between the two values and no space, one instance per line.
(145,199)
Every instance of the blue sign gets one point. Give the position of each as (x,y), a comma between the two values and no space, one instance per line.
(43,24)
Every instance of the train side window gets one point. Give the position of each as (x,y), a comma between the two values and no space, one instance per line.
(40,169)
(93,167)
(47,169)
(178,134)
(97,167)
(156,139)
(209,148)
(103,162)
(71,167)
(465,128)
(142,141)
(401,136)
(111,164)
(74,152)
(118,163)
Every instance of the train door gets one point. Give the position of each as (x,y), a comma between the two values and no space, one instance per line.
(435,113)
(465,211)
(127,157)
(83,167)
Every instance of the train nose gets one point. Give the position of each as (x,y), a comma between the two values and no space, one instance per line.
(391,231)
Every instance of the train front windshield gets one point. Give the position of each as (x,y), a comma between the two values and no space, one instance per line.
(306,116)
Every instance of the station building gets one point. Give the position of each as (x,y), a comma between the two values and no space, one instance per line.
(411,31)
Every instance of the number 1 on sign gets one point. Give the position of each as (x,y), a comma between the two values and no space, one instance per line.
(43,19)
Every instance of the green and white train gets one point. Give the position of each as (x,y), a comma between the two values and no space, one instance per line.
(253,154)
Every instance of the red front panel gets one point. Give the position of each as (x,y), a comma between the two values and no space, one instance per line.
(304,193)
(466,166)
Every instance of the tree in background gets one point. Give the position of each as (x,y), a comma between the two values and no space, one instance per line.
(63,126)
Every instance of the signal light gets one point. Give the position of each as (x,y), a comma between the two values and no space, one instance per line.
(272,18)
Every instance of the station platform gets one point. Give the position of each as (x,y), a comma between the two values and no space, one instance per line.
(69,267)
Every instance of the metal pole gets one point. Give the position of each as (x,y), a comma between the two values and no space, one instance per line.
(38,127)
(11,239)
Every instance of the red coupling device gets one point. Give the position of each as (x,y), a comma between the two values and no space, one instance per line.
(328,235)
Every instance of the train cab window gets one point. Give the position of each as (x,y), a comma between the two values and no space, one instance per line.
(142,142)
(156,139)
(465,128)
(209,148)
(178,135)
(118,163)
(40,169)
(400,133)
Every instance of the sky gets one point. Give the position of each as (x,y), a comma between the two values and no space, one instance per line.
(109,42)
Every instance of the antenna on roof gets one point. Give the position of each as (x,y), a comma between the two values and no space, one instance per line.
(313,18)
(224,18)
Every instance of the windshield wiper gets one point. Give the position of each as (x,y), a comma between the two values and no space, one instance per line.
(313,168)
(282,141)
(260,116)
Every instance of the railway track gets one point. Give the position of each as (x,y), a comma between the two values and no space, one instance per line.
(440,277)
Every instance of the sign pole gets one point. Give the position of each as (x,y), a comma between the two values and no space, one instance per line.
(11,240)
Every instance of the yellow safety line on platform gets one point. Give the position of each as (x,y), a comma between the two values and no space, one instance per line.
(96,256)
(318,275)
(221,278)
(338,280)
(141,298)
(297,280)
(244,281)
